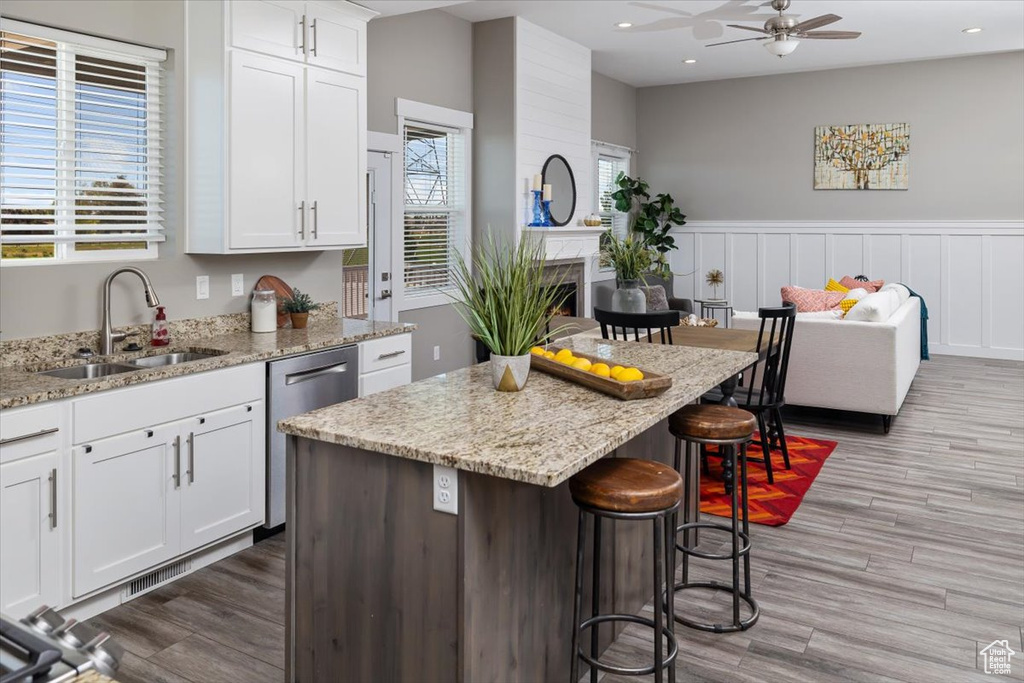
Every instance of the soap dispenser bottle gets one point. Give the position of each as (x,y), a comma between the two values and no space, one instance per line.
(161,335)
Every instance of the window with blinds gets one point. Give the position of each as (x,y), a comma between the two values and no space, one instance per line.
(608,169)
(435,219)
(80,147)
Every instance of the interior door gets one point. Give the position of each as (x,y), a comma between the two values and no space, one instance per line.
(266,153)
(382,227)
(336,155)
(28,534)
(222,480)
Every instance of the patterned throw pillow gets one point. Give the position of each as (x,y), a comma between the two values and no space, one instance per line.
(656,298)
(833,286)
(853,283)
(847,304)
(808,300)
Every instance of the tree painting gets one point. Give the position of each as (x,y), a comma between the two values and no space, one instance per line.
(861,157)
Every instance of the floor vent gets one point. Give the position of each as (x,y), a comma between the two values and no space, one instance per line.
(155,579)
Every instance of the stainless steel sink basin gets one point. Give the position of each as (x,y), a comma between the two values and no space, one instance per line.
(89,371)
(171,359)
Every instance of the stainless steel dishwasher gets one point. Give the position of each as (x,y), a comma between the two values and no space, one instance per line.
(298,385)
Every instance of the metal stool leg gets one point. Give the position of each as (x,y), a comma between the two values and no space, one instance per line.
(577,603)
(596,607)
(669,583)
(746,517)
(659,608)
(735,544)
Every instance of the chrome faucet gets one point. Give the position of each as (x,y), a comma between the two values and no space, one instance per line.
(107,336)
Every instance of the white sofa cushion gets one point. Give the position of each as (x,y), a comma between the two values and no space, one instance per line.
(875,308)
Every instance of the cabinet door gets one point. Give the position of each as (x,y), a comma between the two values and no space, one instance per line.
(382,380)
(273,28)
(126,506)
(29,542)
(223,484)
(336,40)
(266,153)
(336,153)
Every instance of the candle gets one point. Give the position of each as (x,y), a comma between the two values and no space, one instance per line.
(547,193)
(537,180)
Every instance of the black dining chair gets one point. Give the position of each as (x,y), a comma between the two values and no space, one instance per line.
(765,393)
(622,323)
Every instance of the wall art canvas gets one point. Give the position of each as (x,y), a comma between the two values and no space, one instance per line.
(865,156)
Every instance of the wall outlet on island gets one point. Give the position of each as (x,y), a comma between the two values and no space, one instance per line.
(437,353)
(446,489)
(237,285)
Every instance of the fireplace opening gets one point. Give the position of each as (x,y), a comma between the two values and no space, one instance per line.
(567,294)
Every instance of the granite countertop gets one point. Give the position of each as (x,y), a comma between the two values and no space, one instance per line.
(541,435)
(19,385)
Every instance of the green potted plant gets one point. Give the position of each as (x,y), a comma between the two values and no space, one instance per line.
(298,307)
(651,219)
(507,303)
(631,258)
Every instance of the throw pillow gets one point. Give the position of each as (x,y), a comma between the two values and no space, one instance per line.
(656,298)
(853,283)
(807,300)
(833,286)
(847,304)
(857,294)
(901,291)
(875,308)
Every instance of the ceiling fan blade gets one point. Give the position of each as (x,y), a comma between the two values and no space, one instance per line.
(730,42)
(816,22)
(749,28)
(830,35)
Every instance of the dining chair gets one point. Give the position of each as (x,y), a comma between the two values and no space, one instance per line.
(622,323)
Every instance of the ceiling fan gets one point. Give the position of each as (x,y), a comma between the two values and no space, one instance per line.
(781,32)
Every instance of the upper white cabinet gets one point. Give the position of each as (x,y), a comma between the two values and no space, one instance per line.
(276,134)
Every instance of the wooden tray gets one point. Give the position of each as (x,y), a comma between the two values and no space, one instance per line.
(282,290)
(650,386)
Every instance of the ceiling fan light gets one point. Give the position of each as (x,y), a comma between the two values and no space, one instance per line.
(780,47)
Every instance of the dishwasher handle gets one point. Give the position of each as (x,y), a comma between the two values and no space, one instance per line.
(315,373)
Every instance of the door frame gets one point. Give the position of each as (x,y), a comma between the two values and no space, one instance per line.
(391,143)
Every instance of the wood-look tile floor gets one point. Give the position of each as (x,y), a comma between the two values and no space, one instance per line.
(905,559)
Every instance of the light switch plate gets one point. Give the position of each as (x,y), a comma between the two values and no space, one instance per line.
(437,353)
(446,489)
(237,285)
(202,286)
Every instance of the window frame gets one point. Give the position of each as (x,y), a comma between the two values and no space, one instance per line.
(431,116)
(606,150)
(65,246)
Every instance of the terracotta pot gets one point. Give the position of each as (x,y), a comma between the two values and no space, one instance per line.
(299,320)
(509,373)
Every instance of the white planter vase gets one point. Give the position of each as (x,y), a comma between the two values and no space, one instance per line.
(509,373)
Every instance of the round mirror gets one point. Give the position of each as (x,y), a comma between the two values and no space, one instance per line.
(558,174)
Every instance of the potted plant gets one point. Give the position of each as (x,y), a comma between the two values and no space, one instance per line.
(631,258)
(507,304)
(298,307)
(651,219)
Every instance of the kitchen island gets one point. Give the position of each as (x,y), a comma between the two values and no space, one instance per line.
(381,586)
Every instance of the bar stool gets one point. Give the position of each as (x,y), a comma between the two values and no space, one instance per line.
(730,429)
(627,489)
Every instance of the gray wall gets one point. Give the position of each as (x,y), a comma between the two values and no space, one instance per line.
(743,149)
(40,300)
(613,111)
(425,57)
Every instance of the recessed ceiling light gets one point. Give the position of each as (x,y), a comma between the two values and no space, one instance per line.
(689,61)
(971,30)
(623,24)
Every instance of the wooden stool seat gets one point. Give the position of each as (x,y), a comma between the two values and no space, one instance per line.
(627,485)
(714,422)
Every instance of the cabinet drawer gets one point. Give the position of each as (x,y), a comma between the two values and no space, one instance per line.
(379,354)
(382,380)
(29,431)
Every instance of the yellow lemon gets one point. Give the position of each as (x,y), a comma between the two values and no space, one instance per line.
(549,355)
(538,351)
(630,375)
(600,369)
(563,355)
(581,364)
(615,371)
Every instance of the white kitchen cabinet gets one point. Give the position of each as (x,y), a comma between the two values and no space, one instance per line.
(337,38)
(29,541)
(272,28)
(382,380)
(222,487)
(384,363)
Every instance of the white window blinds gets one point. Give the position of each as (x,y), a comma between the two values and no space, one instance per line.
(435,206)
(608,169)
(80,146)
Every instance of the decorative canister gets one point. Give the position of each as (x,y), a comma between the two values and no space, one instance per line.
(509,373)
(264,310)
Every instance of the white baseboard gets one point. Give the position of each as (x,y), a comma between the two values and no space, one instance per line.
(975,352)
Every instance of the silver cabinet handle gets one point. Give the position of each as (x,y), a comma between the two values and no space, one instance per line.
(53,498)
(302,219)
(314,38)
(191,471)
(302,28)
(26,437)
(316,220)
(391,355)
(177,461)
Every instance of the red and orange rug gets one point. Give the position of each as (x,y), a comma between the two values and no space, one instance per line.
(769,504)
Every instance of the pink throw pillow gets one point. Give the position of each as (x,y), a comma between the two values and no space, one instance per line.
(808,300)
(853,283)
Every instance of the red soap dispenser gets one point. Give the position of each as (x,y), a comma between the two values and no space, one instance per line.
(161,335)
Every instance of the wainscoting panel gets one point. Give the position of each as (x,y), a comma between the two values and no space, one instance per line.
(970,273)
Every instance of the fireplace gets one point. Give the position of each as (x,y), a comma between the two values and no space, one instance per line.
(567,278)
(566,300)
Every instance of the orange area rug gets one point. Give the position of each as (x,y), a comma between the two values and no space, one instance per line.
(769,504)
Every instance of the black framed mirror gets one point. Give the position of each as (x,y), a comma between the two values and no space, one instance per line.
(558,174)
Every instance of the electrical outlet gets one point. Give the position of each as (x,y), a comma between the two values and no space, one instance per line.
(446,489)
(202,286)
(437,353)
(237,285)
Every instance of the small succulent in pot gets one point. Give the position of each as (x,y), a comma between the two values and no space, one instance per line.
(298,307)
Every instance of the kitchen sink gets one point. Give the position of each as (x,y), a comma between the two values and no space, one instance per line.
(171,359)
(89,371)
